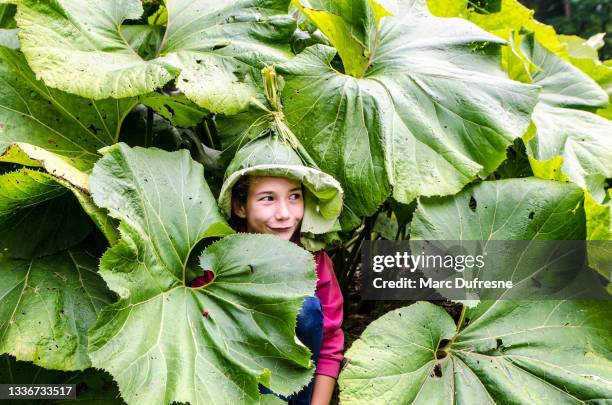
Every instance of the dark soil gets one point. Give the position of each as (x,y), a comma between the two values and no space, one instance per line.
(359,314)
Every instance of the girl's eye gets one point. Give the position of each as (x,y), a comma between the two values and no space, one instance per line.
(295,196)
(266,198)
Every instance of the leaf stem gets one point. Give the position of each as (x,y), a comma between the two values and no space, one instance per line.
(156,17)
(271,87)
(165,36)
(461,318)
(208,134)
(371,57)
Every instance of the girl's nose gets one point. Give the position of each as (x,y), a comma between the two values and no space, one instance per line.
(282,211)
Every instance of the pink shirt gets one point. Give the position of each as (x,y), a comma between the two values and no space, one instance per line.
(328,292)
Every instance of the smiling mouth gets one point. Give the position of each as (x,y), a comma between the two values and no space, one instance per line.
(282,229)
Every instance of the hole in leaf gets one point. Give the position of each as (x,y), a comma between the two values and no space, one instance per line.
(441,352)
(531,215)
(202,280)
(170,109)
(473,204)
(437,371)
(217,47)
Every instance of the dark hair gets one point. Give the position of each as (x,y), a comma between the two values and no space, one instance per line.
(240,192)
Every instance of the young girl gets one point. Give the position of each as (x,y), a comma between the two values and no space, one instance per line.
(267,189)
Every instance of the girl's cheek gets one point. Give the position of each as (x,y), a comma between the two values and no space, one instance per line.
(262,208)
(298,205)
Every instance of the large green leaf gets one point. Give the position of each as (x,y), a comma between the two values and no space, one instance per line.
(177,109)
(599,218)
(511,352)
(599,233)
(47,306)
(79,46)
(562,128)
(37,215)
(512,17)
(432,111)
(58,132)
(583,54)
(43,229)
(512,209)
(69,126)
(352,26)
(528,209)
(509,21)
(607,112)
(164,341)
(579,48)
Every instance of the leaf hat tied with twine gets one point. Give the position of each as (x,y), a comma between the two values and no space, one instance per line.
(275,151)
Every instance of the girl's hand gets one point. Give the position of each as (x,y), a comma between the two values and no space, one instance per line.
(322,390)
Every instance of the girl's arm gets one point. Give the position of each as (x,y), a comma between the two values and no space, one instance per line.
(322,390)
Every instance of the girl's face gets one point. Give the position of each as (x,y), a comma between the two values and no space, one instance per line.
(274,205)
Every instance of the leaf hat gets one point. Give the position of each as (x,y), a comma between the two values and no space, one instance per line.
(271,155)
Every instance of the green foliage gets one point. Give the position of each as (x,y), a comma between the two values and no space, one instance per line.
(425,118)
(512,209)
(586,18)
(229,331)
(528,209)
(80,48)
(510,17)
(509,352)
(583,54)
(48,306)
(70,126)
(351,26)
(562,126)
(38,216)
